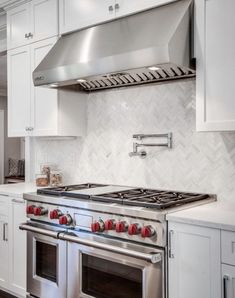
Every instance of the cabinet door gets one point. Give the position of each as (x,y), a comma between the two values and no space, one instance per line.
(125,7)
(17,248)
(44,108)
(228,274)
(215,50)
(4,268)
(75,14)
(44,19)
(18,91)
(194,262)
(18,26)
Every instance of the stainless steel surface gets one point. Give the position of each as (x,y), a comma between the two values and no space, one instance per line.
(150,46)
(170,248)
(143,153)
(140,212)
(39,286)
(136,239)
(42,231)
(226,279)
(140,153)
(153,275)
(151,257)
(156,135)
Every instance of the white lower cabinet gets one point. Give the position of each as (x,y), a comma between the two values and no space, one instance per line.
(17,247)
(228,273)
(12,246)
(4,253)
(194,262)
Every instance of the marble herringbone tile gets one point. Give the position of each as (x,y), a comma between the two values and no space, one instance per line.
(203,162)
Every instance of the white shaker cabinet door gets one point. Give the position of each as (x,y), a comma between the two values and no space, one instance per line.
(76,14)
(4,255)
(19,91)
(194,262)
(44,19)
(18,26)
(125,7)
(215,52)
(44,108)
(228,273)
(17,249)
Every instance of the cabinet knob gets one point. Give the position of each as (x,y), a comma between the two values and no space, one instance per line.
(111,8)
(117,6)
(26,35)
(30,34)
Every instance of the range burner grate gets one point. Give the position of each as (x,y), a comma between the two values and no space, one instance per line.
(62,190)
(150,198)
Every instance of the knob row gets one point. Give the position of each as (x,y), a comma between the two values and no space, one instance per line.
(64,219)
(122,227)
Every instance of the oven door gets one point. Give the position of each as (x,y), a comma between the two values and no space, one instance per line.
(46,263)
(99,270)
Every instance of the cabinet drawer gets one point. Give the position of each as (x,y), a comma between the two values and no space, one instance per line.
(3,205)
(228,247)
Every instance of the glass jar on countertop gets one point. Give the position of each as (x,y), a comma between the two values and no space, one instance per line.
(56,178)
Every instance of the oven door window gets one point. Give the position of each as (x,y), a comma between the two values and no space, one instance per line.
(106,279)
(46,256)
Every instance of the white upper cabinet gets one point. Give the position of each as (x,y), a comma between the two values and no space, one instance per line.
(19,104)
(18,24)
(75,14)
(125,7)
(44,19)
(215,51)
(43,100)
(40,111)
(32,22)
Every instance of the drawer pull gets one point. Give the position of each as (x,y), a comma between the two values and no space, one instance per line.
(225,285)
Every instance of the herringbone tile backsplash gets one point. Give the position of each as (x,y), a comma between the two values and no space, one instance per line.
(202,162)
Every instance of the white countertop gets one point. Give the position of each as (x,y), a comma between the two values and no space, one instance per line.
(17,189)
(220,215)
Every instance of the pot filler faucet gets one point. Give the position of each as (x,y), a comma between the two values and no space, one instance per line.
(140,137)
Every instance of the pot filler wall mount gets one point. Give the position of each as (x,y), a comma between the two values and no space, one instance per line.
(147,47)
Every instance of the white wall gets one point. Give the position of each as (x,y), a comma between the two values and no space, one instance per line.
(12,146)
(202,162)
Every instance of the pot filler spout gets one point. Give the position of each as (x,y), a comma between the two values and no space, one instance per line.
(147,47)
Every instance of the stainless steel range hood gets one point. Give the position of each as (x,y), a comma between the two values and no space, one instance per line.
(150,46)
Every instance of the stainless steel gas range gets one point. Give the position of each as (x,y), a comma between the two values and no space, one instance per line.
(102,241)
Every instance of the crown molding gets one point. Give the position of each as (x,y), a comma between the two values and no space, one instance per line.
(9,4)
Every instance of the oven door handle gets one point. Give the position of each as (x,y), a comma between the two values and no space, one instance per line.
(151,257)
(30,228)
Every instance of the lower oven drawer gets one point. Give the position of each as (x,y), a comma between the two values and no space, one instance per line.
(95,272)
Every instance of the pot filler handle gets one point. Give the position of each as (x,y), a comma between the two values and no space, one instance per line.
(152,257)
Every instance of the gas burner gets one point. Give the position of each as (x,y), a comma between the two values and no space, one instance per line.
(149,198)
(62,190)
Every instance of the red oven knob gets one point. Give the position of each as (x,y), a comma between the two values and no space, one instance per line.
(121,227)
(55,214)
(65,220)
(110,224)
(38,211)
(147,231)
(30,209)
(134,229)
(97,226)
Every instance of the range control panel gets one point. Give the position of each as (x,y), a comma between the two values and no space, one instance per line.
(118,226)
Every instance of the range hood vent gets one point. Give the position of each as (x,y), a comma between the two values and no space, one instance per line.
(148,47)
